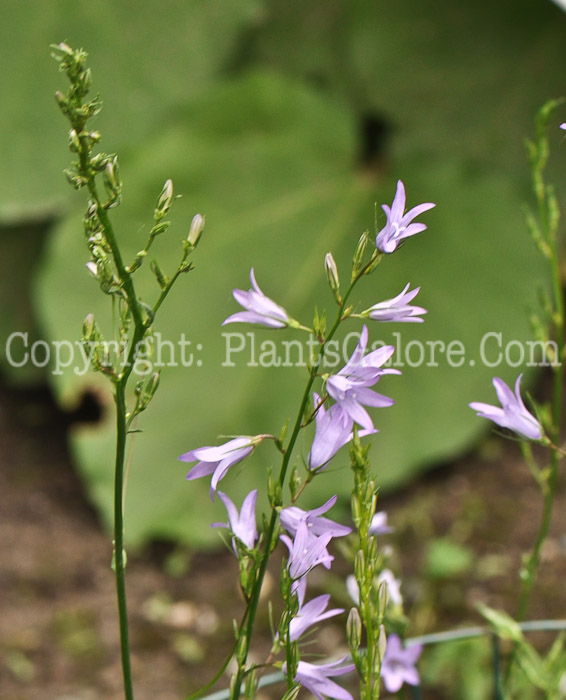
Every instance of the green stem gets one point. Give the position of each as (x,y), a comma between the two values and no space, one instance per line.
(252,607)
(119,563)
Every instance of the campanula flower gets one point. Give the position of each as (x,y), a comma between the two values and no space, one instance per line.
(315,678)
(399,224)
(333,431)
(259,308)
(291,516)
(350,386)
(398,665)
(397,309)
(513,413)
(243,524)
(306,551)
(218,460)
(309,614)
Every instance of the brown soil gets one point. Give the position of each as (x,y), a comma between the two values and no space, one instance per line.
(58,632)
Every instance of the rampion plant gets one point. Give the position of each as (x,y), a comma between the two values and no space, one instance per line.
(334,407)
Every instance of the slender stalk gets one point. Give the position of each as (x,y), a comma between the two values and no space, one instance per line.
(119,563)
(269,533)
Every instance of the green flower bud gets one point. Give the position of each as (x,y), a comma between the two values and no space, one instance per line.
(354,629)
(332,272)
(359,254)
(164,200)
(197,226)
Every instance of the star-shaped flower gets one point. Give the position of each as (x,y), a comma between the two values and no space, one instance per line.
(243,524)
(259,308)
(513,414)
(399,224)
(350,386)
(218,460)
(398,665)
(315,678)
(397,309)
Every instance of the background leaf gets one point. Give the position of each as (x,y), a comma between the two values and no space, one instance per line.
(270,163)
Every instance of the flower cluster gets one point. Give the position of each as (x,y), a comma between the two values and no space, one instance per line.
(340,414)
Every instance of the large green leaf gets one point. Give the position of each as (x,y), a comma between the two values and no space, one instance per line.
(145,58)
(270,163)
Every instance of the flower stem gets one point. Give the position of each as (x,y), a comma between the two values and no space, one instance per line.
(270,531)
(119,559)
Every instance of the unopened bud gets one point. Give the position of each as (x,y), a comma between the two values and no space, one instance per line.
(359,254)
(92,268)
(382,641)
(74,143)
(354,629)
(88,326)
(332,272)
(164,200)
(197,226)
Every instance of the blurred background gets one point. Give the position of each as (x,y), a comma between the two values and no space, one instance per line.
(284,123)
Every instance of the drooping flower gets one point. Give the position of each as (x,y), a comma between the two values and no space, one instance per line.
(513,413)
(218,460)
(259,308)
(397,309)
(399,224)
(398,665)
(316,678)
(243,524)
(379,524)
(333,431)
(350,386)
(292,515)
(309,614)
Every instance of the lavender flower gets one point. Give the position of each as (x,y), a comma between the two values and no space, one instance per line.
(291,516)
(398,224)
(379,524)
(513,413)
(316,678)
(218,460)
(350,386)
(242,525)
(309,614)
(259,308)
(397,309)
(333,431)
(398,665)
(306,551)
(563,126)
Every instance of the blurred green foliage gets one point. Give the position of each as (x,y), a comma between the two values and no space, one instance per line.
(283,123)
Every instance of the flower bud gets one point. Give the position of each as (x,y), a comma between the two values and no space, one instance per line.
(332,272)
(74,143)
(197,226)
(92,268)
(354,629)
(164,200)
(88,327)
(359,254)
(382,641)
